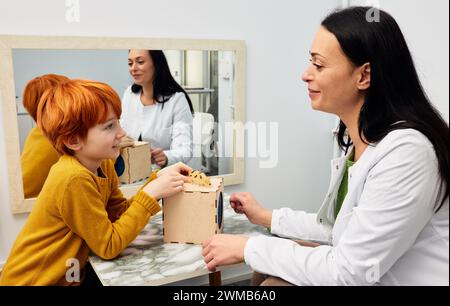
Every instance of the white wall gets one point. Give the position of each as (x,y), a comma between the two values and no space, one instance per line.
(277,35)
(425,25)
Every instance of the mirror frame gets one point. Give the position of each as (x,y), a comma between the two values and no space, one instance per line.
(9,109)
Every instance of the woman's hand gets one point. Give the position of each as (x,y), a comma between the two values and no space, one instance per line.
(125,142)
(158,157)
(223,250)
(176,168)
(166,185)
(245,203)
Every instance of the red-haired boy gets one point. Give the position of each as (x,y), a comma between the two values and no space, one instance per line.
(81,208)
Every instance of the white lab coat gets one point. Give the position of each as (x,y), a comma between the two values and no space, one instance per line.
(386,232)
(168,127)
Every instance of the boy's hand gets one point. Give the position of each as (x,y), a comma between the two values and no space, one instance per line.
(166,185)
(179,168)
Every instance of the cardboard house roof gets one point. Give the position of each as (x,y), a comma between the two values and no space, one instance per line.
(139,143)
(215,185)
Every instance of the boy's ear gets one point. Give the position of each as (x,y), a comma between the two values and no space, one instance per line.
(364,77)
(73,142)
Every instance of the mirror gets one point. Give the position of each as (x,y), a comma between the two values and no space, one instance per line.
(210,72)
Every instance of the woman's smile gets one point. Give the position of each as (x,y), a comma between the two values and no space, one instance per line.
(313,94)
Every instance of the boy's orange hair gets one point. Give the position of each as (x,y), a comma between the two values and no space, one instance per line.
(72,108)
(36,87)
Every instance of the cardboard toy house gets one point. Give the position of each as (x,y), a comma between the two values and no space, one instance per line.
(134,163)
(194,215)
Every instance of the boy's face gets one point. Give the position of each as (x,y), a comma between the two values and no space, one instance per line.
(102,141)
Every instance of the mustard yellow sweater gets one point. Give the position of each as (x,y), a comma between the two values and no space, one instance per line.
(76,211)
(38,156)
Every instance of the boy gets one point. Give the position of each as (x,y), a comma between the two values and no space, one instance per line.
(81,207)
(38,154)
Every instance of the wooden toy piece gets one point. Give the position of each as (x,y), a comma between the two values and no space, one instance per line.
(200,178)
(136,163)
(195,214)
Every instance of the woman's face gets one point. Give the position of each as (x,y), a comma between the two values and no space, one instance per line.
(333,80)
(140,66)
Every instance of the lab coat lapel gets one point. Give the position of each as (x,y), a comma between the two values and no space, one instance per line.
(357,176)
(325,216)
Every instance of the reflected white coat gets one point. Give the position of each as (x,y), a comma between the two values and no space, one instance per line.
(167,126)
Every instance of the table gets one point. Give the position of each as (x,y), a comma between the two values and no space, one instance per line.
(150,261)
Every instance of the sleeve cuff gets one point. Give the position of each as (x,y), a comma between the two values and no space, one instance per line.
(170,158)
(147,202)
(275,223)
(253,244)
(177,157)
(248,251)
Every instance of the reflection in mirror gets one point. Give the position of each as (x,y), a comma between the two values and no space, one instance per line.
(207,77)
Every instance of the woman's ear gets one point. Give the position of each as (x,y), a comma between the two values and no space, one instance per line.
(364,77)
(74,143)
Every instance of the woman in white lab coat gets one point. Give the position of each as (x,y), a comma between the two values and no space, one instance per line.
(385,218)
(157,109)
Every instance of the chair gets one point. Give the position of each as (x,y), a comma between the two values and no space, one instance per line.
(203,146)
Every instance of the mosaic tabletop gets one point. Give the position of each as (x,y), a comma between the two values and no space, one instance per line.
(150,261)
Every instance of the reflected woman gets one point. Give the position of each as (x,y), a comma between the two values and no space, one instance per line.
(157,109)
(38,155)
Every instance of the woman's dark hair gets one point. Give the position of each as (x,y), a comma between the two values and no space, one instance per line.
(164,85)
(396,98)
